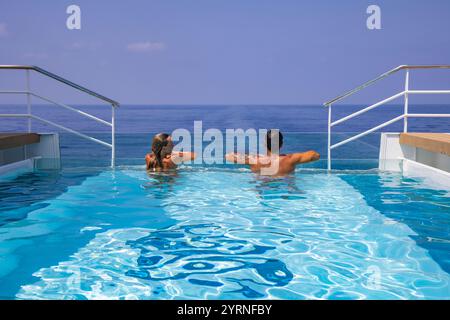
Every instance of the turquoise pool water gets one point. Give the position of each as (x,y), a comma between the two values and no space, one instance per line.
(222,233)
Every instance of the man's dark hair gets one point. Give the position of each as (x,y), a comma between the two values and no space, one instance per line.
(272,135)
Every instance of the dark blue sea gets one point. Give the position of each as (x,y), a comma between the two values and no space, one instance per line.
(304,126)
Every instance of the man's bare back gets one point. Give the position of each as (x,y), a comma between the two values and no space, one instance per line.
(273,164)
(276,165)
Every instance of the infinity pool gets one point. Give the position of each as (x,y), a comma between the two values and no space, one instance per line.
(222,233)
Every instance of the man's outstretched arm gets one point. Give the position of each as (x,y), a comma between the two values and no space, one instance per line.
(304,157)
(240,158)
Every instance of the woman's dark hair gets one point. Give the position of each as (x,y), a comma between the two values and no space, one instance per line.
(161,148)
(273,135)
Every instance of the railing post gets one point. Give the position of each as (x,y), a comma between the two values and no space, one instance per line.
(28,100)
(113,136)
(405,111)
(329,140)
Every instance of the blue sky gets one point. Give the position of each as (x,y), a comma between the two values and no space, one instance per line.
(224,51)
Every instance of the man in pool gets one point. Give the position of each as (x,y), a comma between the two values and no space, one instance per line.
(274,163)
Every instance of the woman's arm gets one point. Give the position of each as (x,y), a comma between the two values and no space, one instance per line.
(179,157)
(148,159)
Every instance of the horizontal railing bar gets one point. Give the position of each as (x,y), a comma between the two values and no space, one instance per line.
(13,92)
(17,67)
(432,66)
(72,109)
(428,91)
(71,131)
(14,115)
(62,80)
(428,115)
(367,132)
(398,95)
(384,75)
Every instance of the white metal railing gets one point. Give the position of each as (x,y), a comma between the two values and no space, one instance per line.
(405,93)
(30,116)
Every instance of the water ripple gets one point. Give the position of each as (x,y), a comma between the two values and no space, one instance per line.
(181,253)
(247,239)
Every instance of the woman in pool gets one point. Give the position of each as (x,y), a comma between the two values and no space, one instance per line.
(162,157)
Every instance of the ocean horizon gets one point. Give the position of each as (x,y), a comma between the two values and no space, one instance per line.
(166,118)
(305,127)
